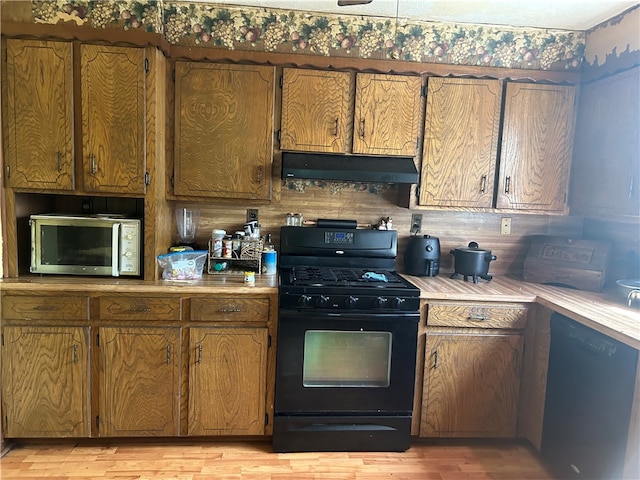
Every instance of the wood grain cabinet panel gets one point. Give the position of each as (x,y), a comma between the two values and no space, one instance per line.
(345,112)
(536,148)
(113,119)
(223,130)
(139,381)
(139,308)
(225,309)
(44,307)
(39,115)
(317,110)
(471,385)
(45,381)
(227,380)
(388,114)
(460,146)
(475,315)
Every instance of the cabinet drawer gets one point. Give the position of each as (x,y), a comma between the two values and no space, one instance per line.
(139,308)
(477,315)
(42,307)
(230,309)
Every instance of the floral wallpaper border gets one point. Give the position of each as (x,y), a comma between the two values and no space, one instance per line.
(293,31)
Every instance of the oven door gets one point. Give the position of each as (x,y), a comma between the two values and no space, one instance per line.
(345,362)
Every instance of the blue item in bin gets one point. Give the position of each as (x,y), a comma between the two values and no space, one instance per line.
(379,277)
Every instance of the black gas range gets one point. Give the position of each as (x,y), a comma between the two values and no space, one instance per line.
(347,337)
(337,288)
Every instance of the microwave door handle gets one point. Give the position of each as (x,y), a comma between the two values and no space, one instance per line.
(115,251)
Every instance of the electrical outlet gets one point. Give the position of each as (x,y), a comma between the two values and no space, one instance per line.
(505,226)
(416,223)
(252,214)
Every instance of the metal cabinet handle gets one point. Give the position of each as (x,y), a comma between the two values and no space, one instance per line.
(435,359)
(75,353)
(231,309)
(483,184)
(507,184)
(260,174)
(59,161)
(199,359)
(362,129)
(140,310)
(477,316)
(45,308)
(93,164)
(335,133)
(168,354)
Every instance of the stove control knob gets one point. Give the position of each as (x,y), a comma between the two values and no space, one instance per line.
(380,302)
(351,301)
(322,301)
(304,300)
(397,302)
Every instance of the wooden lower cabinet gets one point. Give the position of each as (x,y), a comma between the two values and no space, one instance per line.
(87,364)
(471,385)
(45,381)
(472,365)
(139,381)
(227,380)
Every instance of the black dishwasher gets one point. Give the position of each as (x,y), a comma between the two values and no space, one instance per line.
(587,410)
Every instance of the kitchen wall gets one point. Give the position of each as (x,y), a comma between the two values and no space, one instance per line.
(370,203)
(201,25)
(613,47)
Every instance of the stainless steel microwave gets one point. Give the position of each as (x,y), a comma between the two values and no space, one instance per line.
(85,245)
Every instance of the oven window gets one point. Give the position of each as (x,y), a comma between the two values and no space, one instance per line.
(346,359)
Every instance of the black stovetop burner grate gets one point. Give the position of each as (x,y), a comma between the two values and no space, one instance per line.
(360,277)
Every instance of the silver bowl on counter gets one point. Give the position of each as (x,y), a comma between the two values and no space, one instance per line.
(629,289)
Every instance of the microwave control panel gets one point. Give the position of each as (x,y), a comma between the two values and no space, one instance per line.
(129,248)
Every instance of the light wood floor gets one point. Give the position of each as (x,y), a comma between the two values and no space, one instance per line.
(446,460)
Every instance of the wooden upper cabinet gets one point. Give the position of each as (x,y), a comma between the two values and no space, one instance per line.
(113,119)
(329,111)
(536,147)
(606,172)
(317,110)
(388,114)
(460,145)
(223,130)
(39,115)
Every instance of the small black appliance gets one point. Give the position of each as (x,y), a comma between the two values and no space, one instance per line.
(422,256)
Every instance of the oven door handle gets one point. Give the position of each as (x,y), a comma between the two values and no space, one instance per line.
(337,427)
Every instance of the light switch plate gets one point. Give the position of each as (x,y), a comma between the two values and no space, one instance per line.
(505,226)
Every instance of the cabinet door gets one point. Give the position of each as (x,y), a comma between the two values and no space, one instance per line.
(471,385)
(45,381)
(223,130)
(39,115)
(113,119)
(387,114)
(606,172)
(460,142)
(536,147)
(317,110)
(139,381)
(227,381)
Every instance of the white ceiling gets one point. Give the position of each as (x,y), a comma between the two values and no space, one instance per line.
(554,14)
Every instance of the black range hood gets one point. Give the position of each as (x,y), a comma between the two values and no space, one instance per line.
(349,168)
